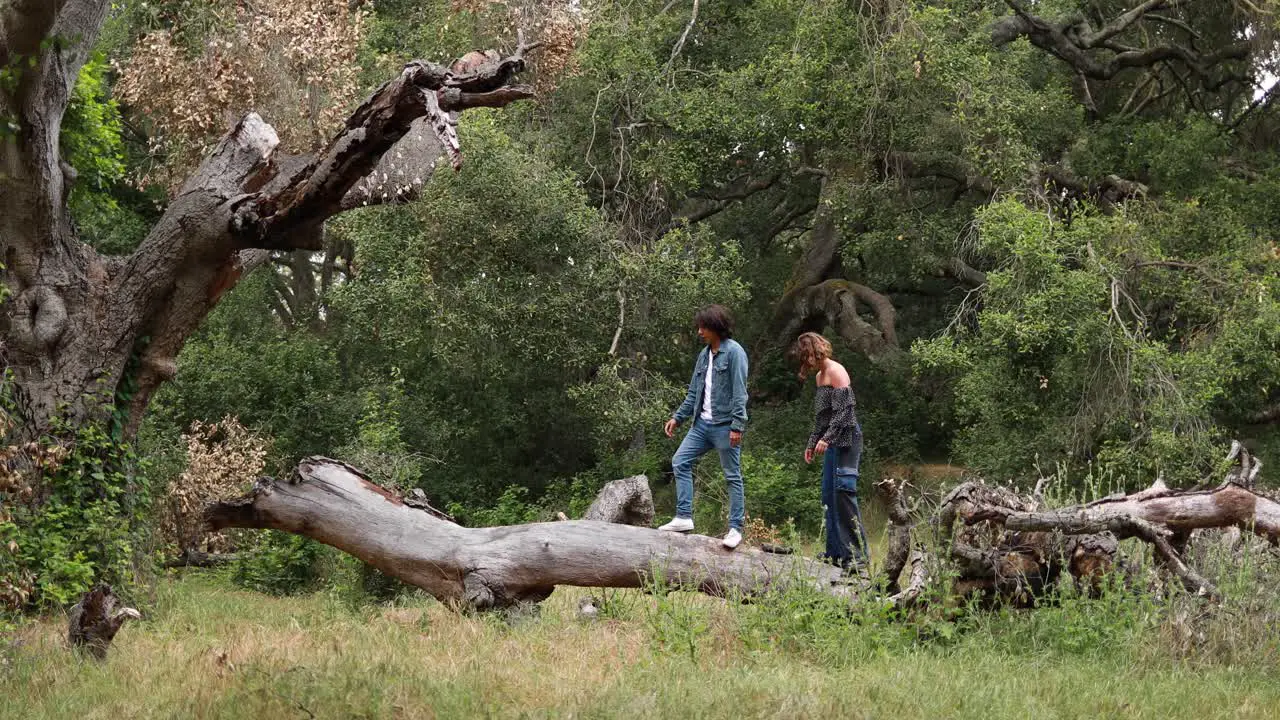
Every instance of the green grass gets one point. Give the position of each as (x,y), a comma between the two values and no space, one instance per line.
(208,651)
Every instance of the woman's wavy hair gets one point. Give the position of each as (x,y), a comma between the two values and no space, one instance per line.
(809,351)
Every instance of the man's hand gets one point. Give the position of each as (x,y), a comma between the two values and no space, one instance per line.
(820,448)
(735,438)
(670,427)
(808,455)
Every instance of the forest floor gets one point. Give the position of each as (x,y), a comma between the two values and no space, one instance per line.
(208,650)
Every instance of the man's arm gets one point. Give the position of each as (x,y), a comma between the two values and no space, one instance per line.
(738,368)
(685,411)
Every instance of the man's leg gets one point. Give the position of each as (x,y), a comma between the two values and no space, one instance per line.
(731,463)
(695,445)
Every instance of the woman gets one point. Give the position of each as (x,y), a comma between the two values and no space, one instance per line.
(838,438)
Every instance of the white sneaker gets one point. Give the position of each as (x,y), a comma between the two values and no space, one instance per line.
(680,525)
(732,538)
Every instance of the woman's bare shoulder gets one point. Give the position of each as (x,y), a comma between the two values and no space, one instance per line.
(837,376)
(834,376)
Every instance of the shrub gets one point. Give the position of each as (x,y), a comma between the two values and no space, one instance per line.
(72,512)
(281,564)
(222,458)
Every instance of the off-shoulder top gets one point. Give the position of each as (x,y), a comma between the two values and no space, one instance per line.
(835,417)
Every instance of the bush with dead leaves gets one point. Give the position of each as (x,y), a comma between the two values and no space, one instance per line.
(292,61)
(222,459)
(558,25)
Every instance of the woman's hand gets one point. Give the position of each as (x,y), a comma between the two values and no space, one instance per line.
(808,455)
(820,448)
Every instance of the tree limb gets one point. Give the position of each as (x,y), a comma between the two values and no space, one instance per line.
(622,318)
(790,217)
(834,304)
(720,200)
(1122,23)
(675,51)
(317,191)
(1071,38)
(936,164)
(964,273)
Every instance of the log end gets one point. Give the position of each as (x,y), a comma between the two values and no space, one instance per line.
(239,512)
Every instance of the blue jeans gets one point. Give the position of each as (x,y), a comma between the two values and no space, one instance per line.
(846,540)
(704,437)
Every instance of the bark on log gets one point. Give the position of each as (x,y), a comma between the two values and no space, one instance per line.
(1007,537)
(1227,505)
(627,501)
(486,568)
(897,533)
(95,620)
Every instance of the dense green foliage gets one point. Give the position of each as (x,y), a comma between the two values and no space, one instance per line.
(514,338)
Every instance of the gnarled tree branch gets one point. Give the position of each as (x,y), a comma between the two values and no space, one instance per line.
(317,190)
(1071,39)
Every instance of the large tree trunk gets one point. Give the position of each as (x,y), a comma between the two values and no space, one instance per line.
(79,325)
(501,566)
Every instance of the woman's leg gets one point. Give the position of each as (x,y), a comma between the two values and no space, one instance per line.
(853,533)
(830,521)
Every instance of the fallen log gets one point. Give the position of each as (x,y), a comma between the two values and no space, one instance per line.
(1027,547)
(497,567)
(1005,546)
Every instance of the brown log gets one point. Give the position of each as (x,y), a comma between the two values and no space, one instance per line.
(1016,562)
(1227,505)
(95,620)
(498,567)
(1087,534)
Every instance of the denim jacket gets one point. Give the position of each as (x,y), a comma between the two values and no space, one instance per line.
(728,387)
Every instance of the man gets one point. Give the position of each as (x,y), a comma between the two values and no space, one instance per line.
(717,402)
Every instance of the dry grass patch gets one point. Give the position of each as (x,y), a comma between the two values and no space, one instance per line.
(207,651)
